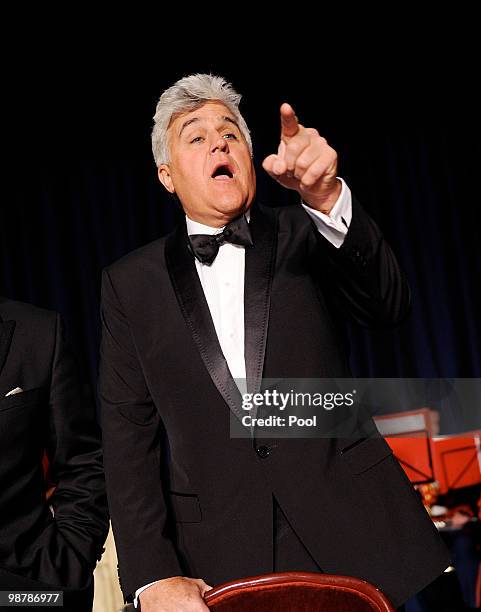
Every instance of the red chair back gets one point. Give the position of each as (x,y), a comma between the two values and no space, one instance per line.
(298,592)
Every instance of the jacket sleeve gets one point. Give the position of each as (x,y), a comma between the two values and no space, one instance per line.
(74,452)
(132,438)
(363,274)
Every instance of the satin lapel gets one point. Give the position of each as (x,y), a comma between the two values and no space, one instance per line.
(194,307)
(259,272)
(6,334)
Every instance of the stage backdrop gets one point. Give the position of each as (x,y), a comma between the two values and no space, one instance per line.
(81,189)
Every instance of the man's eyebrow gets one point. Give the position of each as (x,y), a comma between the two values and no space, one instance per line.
(230,120)
(225,119)
(187,123)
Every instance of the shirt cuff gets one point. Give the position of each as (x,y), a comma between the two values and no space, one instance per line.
(139,591)
(334,226)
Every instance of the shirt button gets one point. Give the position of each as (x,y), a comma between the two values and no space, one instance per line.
(263,451)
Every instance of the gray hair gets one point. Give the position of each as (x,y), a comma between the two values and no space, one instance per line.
(186,95)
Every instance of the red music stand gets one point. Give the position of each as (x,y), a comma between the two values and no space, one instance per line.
(409,434)
(457,460)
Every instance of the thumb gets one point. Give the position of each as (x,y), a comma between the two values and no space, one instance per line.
(203,587)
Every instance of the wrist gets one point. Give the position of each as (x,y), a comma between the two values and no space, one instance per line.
(324,202)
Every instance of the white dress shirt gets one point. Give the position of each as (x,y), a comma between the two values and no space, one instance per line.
(223,283)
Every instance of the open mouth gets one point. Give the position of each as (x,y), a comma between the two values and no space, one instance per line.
(222,172)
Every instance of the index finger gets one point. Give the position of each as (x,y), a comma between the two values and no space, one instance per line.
(289,122)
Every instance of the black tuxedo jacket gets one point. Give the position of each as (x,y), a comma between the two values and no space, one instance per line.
(187,499)
(39,550)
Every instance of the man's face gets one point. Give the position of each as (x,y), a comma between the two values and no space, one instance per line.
(210,168)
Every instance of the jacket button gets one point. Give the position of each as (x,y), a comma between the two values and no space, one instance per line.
(263,451)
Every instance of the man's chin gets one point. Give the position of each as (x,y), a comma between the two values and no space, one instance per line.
(232,207)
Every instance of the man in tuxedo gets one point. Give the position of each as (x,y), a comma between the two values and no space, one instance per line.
(47,544)
(242,291)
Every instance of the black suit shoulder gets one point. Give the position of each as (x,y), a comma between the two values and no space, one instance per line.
(291,219)
(290,215)
(26,314)
(145,256)
(35,329)
(130,279)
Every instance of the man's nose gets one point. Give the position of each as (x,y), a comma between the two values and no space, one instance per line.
(220,144)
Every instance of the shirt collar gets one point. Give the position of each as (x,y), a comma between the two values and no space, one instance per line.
(194,227)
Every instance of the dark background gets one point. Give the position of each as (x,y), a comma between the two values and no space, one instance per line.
(80,187)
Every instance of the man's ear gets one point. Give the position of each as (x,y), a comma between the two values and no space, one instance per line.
(163,172)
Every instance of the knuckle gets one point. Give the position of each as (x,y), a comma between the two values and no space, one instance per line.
(308,179)
(293,150)
(301,165)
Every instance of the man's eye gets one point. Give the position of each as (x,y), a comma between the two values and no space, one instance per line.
(230,136)
(197,139)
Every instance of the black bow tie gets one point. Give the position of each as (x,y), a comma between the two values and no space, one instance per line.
(205,247)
